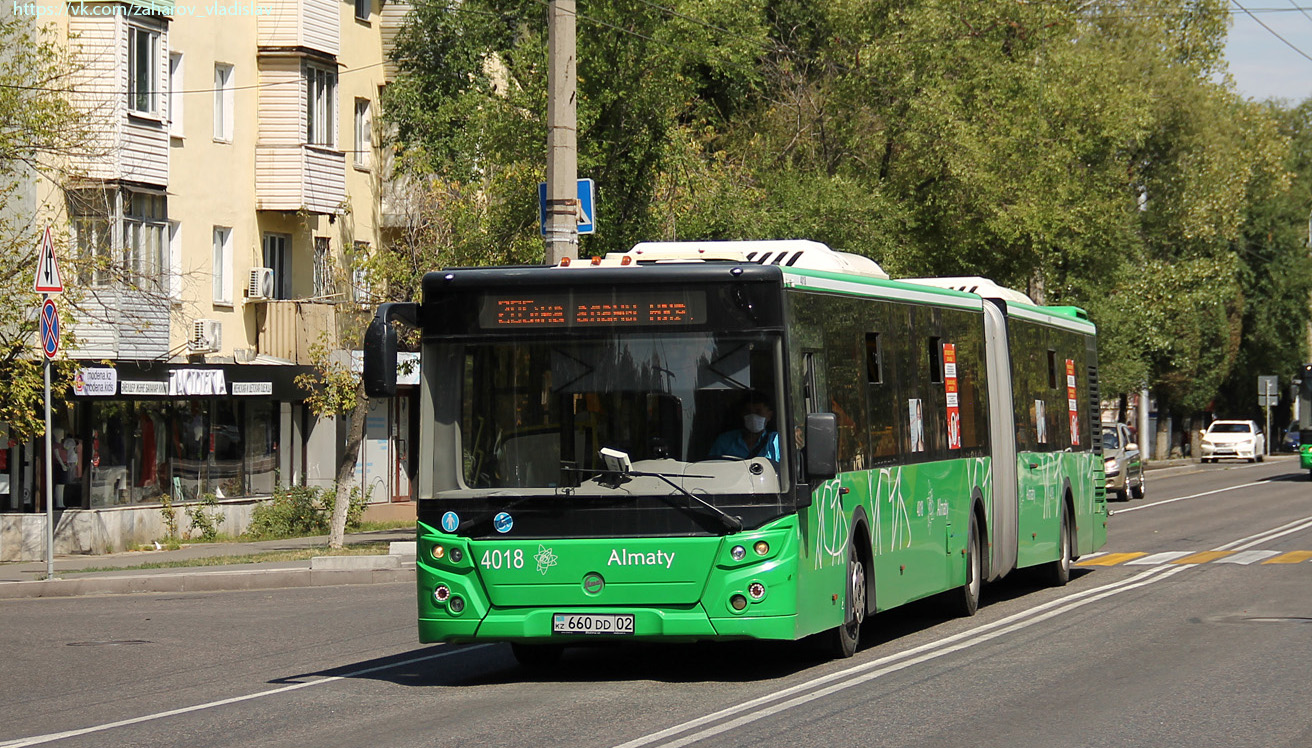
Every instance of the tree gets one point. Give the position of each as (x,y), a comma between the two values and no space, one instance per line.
(40,128)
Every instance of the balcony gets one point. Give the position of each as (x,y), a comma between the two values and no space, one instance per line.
(307,24)
(288,329)
(299,177)
(122,323)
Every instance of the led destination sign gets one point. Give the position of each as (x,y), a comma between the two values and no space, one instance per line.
(593,309)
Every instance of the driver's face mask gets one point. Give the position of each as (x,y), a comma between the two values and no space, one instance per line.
(754,423)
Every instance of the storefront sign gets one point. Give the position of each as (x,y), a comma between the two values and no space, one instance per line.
(95,382)
(252,388)
(130,387)
(197,382)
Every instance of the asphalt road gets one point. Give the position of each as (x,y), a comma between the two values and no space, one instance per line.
(1138,650)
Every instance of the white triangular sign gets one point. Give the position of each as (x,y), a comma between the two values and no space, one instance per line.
(47,269)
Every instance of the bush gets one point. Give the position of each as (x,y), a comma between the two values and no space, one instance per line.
(206,517)
(301,511)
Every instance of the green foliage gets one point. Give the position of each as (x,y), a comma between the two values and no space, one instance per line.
(301,511)
(1086,154)
(40,128)
(206,517)
(169,514)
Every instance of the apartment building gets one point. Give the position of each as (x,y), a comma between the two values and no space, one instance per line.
(234,185)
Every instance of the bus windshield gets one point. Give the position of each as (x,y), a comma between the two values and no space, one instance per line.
(535,413)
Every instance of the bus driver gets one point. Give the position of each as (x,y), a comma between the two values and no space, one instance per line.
(754,439)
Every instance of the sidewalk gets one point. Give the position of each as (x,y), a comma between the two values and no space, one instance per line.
(25,579)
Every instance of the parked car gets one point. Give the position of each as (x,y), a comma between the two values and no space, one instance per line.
(1122,462)
(1292,439)
(1241,440)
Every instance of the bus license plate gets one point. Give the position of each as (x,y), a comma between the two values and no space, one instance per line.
(579,623)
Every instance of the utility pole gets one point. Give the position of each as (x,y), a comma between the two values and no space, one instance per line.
(562,229)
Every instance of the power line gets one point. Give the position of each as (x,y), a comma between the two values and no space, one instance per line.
(1272,31)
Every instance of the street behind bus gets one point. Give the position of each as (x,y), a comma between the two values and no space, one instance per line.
(1193,626)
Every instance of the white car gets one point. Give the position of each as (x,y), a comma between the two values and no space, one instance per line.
(1242,440)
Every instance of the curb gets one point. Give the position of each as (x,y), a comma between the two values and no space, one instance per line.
(210,581)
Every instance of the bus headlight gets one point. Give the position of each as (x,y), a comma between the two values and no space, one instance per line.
(457,605)
(438,553)
(756,590)
(456,555)
(761,548)
(738,553)
(441,593)
(738,602)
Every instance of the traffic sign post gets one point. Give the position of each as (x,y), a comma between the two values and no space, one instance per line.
(49,324)
(47,278)
(48,281)
(1267,388)
(585,215)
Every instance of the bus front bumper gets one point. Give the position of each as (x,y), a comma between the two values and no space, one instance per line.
(665,624)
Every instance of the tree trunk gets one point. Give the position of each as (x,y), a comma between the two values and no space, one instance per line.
(346,469)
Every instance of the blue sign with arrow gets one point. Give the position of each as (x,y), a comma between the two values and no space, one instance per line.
(587,217)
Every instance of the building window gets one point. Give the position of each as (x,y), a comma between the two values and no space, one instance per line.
(362,8)
(320,106)
(322,277)
(145,244)
(223,103)
(143,72)
(175,261)
(122,236)
(175,94)
(364,140)
(222,265)
(275,257)
(360,273)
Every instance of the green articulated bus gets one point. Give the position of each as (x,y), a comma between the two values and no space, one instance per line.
(735,440)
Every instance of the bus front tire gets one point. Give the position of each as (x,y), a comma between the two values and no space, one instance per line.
(843,640)
(966,598)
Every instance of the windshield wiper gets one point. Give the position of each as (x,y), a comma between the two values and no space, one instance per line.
(619,466)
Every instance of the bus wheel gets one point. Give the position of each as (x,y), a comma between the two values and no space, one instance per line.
(967,595)
(1059,571)
(536,656)
(843,639)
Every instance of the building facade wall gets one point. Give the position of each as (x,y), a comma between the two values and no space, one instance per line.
(224,158)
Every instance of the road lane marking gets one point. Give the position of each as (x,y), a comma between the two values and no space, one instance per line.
(762,707)
(1157,558)
(1202,557)
(52,737)
(1191,496)
(1292,557)
(1246,557)
(1244,544)
(1110,559)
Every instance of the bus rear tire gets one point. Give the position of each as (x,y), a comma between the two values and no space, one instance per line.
(842,640)
(966,597)
(536,656)
(1059,571)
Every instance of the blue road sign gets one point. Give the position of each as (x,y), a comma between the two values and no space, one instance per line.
(587,217)
(49,323)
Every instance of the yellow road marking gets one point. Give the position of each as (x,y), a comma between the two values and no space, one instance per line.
(1293,557)
(1202,557)
(1111,559)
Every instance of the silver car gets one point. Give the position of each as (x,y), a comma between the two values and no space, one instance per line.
(1122,462)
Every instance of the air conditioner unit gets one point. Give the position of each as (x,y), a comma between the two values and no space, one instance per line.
(206,336)
(260,287)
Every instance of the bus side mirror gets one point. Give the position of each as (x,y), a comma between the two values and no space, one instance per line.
(380,347)
(821,446)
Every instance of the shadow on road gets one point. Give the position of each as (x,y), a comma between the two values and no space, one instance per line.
(456,666)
